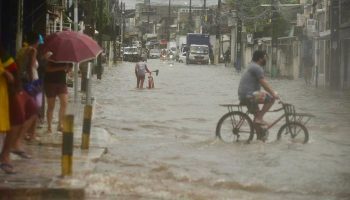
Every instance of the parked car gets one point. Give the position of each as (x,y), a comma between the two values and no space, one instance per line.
(154,53)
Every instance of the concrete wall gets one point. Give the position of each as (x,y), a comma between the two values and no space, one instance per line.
(247,54)
(288,57)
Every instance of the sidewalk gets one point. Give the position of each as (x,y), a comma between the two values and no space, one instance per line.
(40,177)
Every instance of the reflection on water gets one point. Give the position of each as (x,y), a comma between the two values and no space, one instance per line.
(164,144)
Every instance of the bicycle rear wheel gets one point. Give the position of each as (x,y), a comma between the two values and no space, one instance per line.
(295,131)
(235,126)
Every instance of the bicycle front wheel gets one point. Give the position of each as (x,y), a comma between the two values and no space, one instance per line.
(295,131)
(235,126)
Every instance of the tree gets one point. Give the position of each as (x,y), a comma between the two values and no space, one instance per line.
(257,19)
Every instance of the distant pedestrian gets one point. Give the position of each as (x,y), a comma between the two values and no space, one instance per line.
(227,57)
(140,72)
(308,62)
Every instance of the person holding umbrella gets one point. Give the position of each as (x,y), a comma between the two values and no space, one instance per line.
(67,47)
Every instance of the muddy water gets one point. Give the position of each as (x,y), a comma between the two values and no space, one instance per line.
(163,146)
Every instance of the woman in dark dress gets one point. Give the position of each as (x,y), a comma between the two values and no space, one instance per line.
(55,86)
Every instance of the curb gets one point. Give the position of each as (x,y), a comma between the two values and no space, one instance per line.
(42,193)
(39,177)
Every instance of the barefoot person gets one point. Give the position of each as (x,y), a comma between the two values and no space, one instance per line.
(55,86)
(249,88)
(28,71)
(22,115)
(140,72)
(7,64)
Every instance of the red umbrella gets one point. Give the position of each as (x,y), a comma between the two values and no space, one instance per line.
(69,46)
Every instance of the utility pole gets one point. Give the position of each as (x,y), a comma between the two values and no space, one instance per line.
(118,21)
(190,17)
(123,21)
(169,15)
(238,41)
(19,33)
(205,10)
(148,16)
(233,37)
(75,15)
(274,39)
(204,17)
(239,45)
(217,51)
(115,30)
(121,26)
(335,70)
(76,65)
(99,59)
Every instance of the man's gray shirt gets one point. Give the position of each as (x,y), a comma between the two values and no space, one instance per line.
(250,80)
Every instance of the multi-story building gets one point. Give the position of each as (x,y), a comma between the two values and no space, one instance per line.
(328,24)
(340,44)
(155,19)
(17,18)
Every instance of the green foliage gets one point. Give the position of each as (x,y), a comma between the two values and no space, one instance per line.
(106,18)
(188,28)
(257,19)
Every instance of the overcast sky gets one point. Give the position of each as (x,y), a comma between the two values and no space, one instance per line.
(131,3)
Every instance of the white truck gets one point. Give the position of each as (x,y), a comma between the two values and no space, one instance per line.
(198,48)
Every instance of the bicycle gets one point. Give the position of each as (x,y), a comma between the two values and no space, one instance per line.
(237,125)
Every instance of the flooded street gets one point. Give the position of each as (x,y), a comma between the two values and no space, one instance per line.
(163,143)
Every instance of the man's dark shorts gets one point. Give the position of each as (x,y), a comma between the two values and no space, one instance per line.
(253,100)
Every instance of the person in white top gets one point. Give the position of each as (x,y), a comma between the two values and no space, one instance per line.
(140,72)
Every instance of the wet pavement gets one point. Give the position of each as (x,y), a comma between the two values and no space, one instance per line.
(41,177)
(163,143)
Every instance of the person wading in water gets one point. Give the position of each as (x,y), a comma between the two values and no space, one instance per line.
(140,72)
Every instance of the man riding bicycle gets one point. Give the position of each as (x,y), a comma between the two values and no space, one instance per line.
(249,90)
